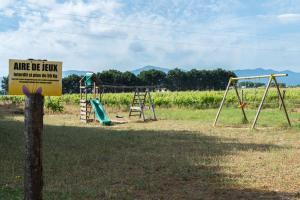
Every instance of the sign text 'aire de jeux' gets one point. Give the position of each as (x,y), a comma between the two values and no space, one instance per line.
(35,75)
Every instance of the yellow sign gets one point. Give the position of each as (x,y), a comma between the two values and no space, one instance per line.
(35,76)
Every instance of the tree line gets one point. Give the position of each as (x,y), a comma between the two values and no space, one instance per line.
(174,80)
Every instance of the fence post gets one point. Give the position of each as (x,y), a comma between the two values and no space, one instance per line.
(33,175)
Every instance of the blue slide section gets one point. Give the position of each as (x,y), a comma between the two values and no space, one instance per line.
(100,112)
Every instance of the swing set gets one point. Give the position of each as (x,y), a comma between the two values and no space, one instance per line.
(271,79)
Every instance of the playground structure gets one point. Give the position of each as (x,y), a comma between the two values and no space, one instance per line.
(92,109)
(271,79)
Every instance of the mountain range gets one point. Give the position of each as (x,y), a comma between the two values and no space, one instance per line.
(292,79)
(136,71)
(149,67)
(71,72)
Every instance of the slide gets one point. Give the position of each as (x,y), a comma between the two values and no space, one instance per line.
(100,112)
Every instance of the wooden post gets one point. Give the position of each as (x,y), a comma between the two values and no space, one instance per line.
(282,103)
(80,89)
(33,176)
(240,102)
(262,102)
(152,106)
(141,106)
(242,96)
(223,101)
(283,97)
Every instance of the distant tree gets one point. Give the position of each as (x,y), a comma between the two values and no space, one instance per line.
(110,77)
(176,80)
(198,79)
(130,79)
(281,85)
(4,85)
(220,78)
(115,77)
(70,84)
(152,77)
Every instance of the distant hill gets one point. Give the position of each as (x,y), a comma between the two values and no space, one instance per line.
(76,72)
(136,71)
(149,67)
(292,80)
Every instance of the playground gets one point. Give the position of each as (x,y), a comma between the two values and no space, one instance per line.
(178,156)
(95,150)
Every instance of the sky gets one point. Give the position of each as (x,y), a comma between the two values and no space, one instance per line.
(128,34)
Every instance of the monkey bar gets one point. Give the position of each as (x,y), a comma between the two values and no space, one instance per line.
(233,82)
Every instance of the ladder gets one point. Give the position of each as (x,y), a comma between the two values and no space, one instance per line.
(142,101)
(85,107)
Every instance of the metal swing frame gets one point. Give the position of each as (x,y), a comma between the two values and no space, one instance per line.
(233,82)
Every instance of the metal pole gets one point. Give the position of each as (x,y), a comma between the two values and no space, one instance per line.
(222,103)
(262,102)
(282,102)
(80,89)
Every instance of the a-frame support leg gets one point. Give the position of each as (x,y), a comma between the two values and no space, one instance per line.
(282,102)
(240,102)
(141,106)
(283,97)
(152,106)
(223,101)
(130,111)
(262,102)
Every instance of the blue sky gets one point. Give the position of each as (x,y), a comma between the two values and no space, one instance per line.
(124,35)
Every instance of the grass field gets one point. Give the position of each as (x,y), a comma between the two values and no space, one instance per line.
(180,156)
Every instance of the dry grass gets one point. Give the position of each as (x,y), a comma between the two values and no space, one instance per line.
(178,157)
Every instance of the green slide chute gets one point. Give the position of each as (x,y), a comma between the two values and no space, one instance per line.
(100,112)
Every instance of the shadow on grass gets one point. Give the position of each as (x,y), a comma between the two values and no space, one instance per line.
(97,163)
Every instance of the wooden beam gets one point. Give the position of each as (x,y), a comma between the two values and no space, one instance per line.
(256,77)
(283,97)
(223,101)
(282,102)
(33,176)
(262,102)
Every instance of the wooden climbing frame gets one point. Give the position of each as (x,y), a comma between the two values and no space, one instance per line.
(86,114)
(141,101)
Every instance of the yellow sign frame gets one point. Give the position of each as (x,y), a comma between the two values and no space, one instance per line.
(32,76)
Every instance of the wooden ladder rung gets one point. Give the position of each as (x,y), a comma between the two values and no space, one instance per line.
(135,108)
(135,111)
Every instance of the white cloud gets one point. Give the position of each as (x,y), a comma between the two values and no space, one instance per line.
(101,34)
(6,3)
(289,18)
(7,12)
